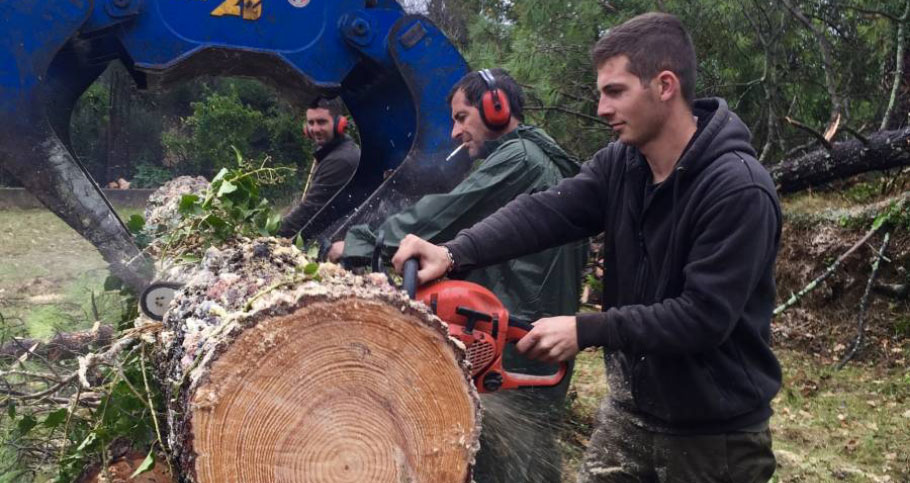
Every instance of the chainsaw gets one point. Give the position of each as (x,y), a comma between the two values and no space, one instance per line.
(478,319)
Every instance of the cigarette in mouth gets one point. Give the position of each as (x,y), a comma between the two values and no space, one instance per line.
(454,152)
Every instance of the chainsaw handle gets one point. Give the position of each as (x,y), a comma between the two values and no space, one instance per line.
(409,274)
(518,328)
(514,380)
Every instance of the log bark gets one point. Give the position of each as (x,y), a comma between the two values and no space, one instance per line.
(272,372)
(882,150)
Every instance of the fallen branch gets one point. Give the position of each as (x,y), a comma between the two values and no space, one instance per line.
(817,135)
(882,150)
(794,298)
(864,305)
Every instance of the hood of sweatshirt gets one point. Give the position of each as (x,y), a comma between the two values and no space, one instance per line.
(720,132)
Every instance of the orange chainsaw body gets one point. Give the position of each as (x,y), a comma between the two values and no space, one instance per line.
(478,319)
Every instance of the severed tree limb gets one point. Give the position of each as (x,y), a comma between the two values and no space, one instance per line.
(864,305)
(818,136)
(51,390)
(794,298)
(884,150)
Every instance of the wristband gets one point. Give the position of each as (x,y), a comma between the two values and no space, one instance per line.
(451,260)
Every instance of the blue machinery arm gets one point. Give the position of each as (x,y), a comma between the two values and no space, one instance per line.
(393,71)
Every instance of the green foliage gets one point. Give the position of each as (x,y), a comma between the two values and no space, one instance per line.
(244,115)
(147,464)
(864,192)
(81,436)
(89,124)
(767,63)
(596,285)
(219,121)
(150,176)
(126,413)
(186,130)
(233,206)
(902,327)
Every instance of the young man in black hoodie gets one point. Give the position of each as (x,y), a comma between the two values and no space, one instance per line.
(692,225)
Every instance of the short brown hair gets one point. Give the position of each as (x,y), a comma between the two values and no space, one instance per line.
(333,105)
(653,42)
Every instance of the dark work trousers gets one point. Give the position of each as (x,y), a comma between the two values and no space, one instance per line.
(520,427)
(620,451)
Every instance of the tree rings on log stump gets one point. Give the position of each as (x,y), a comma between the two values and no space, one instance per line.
(340,379)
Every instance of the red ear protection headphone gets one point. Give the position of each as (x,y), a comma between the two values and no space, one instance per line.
(341,123)
(494,107)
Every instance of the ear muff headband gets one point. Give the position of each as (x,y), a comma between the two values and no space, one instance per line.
(494,107)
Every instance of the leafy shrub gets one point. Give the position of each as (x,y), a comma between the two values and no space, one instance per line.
(150,176)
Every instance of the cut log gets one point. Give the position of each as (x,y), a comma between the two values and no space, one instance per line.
(881,150)
(276,371)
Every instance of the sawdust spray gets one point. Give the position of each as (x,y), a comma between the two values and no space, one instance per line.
(518,441)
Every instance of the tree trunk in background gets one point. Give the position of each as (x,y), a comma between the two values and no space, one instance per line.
(117,140)
(883,150)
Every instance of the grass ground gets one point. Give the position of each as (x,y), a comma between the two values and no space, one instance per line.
(49,276)
(852,425)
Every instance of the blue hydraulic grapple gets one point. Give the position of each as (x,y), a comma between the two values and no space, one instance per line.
(392,70)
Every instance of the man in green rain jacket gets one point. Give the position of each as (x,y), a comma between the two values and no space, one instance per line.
(511,159)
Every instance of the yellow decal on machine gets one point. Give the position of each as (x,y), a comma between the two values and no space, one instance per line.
(247,9)
(252,9)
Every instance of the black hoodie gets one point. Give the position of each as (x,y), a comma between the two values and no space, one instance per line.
(689,277)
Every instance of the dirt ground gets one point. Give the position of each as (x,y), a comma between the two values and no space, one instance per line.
(848,425)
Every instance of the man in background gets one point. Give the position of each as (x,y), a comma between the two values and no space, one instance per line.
(336,160)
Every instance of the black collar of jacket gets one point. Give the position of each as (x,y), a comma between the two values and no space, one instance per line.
(330,146)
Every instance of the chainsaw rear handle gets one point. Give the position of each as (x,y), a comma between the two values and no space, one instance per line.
(409,283)
(518,328)
(514,380)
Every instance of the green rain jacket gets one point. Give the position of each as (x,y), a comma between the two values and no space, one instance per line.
(523,161)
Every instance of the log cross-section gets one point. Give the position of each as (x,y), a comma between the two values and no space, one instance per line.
(334,379)
(343,390)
